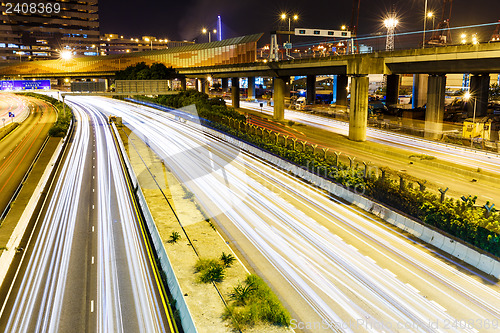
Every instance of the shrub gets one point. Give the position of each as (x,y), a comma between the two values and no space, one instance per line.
(254,302)
(174,237)
(227,259)
(211,270)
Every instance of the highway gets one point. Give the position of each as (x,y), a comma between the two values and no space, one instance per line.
(18,150)
(454,154)
(17,105)
(336,269)
(85,267)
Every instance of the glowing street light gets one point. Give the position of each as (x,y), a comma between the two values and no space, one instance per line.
(204,31)
(66,55)
(390,23)
(295,17)
(474,39)
(463,38)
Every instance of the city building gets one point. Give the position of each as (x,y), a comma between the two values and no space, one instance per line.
(44,32)
(117,44)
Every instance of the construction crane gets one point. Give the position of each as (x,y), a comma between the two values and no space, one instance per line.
(496,35)
(442,35)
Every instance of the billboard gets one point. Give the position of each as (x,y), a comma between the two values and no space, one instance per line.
(20,85)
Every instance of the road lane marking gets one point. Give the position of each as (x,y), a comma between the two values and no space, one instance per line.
(413,288)
(389,272)
(92,306)
(337,237)
(92,228)
(93,177)
(438,306)
(92,260)
(352,247)
(370,259)
(92,206)
(93,190)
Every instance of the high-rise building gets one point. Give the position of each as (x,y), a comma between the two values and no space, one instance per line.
(41,29)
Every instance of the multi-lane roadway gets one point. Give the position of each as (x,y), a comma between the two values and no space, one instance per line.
(336,268)
(87,266)
(18,149)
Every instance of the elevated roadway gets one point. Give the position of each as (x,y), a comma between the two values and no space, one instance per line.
(337,269)
(87,266)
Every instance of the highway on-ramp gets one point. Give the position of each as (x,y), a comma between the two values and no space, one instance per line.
(86,267)
(336,268)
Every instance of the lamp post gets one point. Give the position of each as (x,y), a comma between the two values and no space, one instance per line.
(467,97)
(206,31)
(390,23)
(295,17)
(425,24)
(147,39)
(430,15)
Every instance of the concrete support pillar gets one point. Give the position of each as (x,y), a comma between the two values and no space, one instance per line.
(235,92)
(311,89)
(435,106)
(288,86)
(342,81)
(106,84)
(183,84)
(225,84)
(197,85)
(279,92)
(251,87)
(392,91)
(419,95)
(358,115)
(204,87)
(479,90)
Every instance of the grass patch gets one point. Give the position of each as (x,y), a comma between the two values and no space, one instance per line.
(210,270)
(253,302)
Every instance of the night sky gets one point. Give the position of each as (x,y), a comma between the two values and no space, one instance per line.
(183,19)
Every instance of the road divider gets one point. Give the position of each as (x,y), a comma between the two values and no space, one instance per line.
(186,319)
(33,206)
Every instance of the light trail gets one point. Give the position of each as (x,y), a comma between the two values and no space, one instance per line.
(127,297)
(347,266)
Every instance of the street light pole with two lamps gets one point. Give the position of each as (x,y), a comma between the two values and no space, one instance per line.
(205,30)
(295,17)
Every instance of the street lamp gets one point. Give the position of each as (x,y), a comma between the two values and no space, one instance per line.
(390,23)
(65,55)
(147,39)
(20,54)
(463,38)
(467,97)
(474,39)
(204,31)
(295,17)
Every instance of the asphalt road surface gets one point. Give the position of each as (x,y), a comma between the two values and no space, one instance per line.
(86,267)
(337,269)
(18,149)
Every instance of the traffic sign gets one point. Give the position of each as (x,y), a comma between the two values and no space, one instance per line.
(11,114)
(287,46)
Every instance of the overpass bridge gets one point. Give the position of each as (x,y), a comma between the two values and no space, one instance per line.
(237,57)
